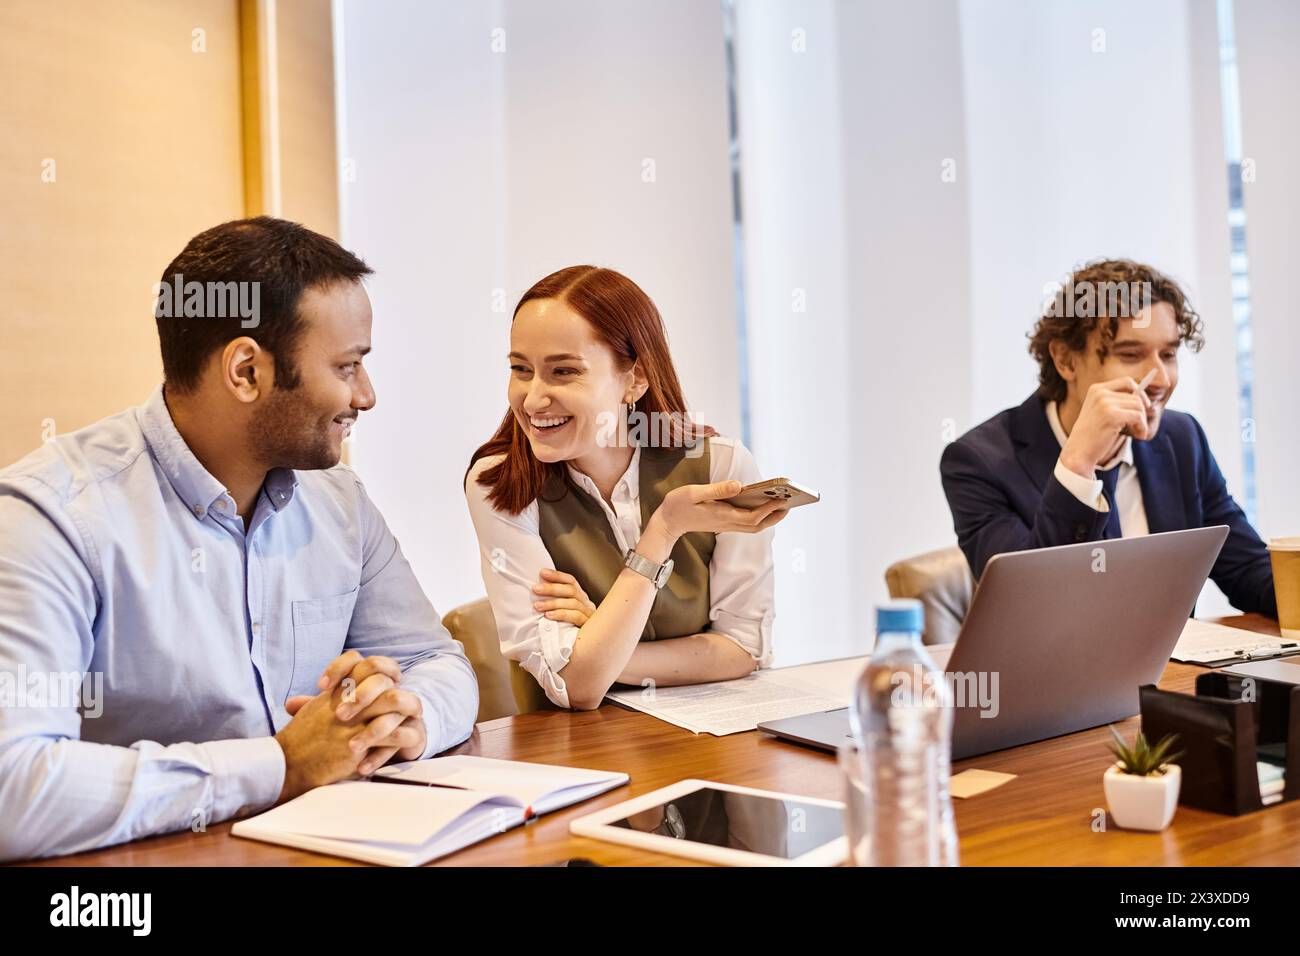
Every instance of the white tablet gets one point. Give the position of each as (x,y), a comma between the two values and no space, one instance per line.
(722,823)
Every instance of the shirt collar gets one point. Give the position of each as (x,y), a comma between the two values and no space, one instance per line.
(1123,456)
(192,482)
(279,486)
(631,479)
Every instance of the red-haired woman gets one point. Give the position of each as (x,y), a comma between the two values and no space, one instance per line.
(608,553)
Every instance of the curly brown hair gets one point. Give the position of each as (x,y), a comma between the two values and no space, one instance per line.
(1109,293)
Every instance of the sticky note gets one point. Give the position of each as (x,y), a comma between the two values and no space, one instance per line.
(970,783)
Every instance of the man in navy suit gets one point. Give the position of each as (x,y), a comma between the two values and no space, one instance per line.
(1095,453)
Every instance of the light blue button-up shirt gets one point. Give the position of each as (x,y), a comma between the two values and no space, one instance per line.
(148,642)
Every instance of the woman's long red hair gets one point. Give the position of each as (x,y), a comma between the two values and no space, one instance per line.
(627,321)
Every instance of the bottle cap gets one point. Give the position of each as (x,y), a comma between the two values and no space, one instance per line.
(900,614)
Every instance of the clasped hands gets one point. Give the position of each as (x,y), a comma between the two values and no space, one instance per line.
(358,721)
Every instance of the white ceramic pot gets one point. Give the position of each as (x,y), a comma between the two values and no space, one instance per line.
(1142,803)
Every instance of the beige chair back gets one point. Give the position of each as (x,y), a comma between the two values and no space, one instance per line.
(940,580)
(504,688)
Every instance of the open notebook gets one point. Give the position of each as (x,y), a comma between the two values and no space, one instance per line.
(458,801)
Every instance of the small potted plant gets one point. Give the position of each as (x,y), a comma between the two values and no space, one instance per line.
(1142,786)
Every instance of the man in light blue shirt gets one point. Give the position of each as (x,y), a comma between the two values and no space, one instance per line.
(201,612)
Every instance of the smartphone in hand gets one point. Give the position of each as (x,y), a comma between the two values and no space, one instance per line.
(774,489)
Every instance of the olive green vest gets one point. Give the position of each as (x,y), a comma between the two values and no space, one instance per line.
(580,541)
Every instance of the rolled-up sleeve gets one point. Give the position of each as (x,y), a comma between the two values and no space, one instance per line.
(512,556)
(742,579)
(394,618)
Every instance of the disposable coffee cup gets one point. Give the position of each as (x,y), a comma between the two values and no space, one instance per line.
(1286,584)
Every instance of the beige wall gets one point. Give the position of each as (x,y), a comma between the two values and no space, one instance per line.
(123,136)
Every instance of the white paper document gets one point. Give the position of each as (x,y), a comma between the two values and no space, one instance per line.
(1212,645)
(729,707)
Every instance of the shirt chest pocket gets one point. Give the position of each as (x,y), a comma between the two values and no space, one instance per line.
(320,629)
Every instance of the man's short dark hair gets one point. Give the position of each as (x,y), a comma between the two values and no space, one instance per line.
(283,258)
(1115,288)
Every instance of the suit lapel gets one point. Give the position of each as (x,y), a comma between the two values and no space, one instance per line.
(1157,470)
(1037,451)
(1036,447)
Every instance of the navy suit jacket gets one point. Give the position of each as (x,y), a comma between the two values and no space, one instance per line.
(1004,497)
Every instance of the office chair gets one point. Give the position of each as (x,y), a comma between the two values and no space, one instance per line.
(504,688)
(940,580)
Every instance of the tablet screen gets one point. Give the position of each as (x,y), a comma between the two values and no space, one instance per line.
(773,827)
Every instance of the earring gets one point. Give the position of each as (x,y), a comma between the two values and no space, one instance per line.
(629,429)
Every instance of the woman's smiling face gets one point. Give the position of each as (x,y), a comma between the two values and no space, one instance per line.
(566,385)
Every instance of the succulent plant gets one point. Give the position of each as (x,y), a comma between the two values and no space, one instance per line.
(1143,760)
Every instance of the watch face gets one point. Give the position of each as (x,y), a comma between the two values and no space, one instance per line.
(665,571)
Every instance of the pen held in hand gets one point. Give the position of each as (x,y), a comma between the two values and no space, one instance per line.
(1140,388)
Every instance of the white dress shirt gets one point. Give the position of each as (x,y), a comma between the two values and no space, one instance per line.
(741,578)
(1128,492)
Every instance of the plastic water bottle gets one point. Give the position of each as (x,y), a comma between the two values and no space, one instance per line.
(901,716)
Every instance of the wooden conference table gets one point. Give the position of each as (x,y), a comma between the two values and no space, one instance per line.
(1043,817)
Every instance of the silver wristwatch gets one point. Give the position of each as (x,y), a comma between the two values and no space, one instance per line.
(657,573)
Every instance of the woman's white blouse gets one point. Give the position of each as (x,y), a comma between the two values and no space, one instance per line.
(513,555)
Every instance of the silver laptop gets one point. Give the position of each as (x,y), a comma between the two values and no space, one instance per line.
(1057,640)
